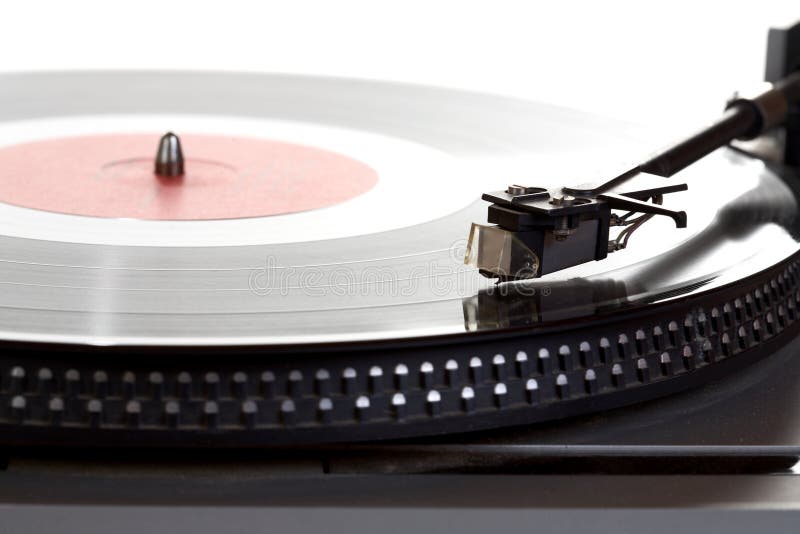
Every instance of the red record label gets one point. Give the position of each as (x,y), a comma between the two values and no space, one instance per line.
(225,177)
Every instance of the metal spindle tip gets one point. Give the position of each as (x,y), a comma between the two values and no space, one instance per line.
(169,158)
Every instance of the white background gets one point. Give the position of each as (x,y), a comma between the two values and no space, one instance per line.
(652,62)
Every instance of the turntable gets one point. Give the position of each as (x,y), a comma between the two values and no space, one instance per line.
(327,276)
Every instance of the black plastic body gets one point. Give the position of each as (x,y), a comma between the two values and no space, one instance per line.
(587,242)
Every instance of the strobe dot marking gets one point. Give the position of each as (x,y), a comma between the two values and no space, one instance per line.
(585,350)
(288,412)
(499,367)
(433,402)
(688,327)
(618,376)
(322,383)
(239,384)
(128,385)
(738,310)
(672,333)
(521,363)
(702,324)
(725,345)
(362,408)
(623,346)
(94,410)
(376,380)
(468,399)
(770,323)
(399,407)
(18,406)
(325,410)
(156,383)
(211,414)
(500,395)
(100,384)
(172,414)
(642,370)
(56,410)
(44,381)
(401,376)
(641,339)
(295,383)
(665,363)
(544,364)
(605,350)
(267,384)
(715,321)
(349,377)
(741,337)
(451,373)
(658,338)
(688,358)
(211,385)
(532,391)
(727,320)
(248,412)
(133,413)
(590,382)
(565,357)
(475,370)
(426,375)
(562,386)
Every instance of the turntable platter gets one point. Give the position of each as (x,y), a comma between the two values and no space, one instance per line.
(349,315)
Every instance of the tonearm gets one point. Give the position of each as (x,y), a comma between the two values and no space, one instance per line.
(536,232)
